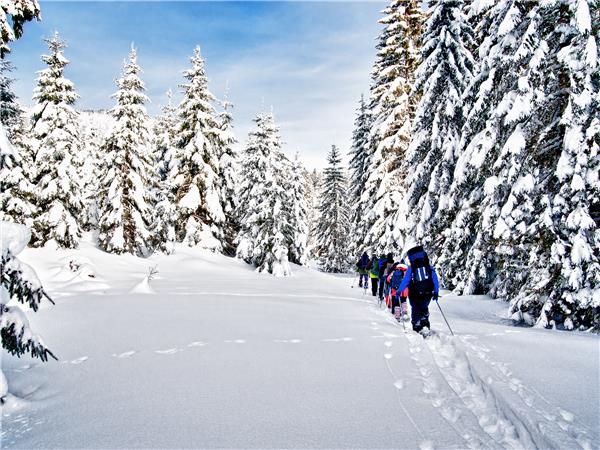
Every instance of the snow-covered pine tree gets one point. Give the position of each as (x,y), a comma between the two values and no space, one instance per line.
(228,175)
(200,215)
(359,157)
(18,281)
(504,32)
(10,111)
(549,209)
(392,104)
(16,190)
(528,181)
(96,126)
(165,167)
(127,173)
(297,209)
(334,221)
(261,240)
(445,71)
(13,15)
(57,147)
(312,183)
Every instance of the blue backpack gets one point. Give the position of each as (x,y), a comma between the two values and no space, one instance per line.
(397,277)
(421,283)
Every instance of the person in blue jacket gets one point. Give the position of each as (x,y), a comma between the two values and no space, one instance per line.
(363,271)
(423,286)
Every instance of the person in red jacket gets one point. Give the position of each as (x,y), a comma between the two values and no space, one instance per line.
(398,298)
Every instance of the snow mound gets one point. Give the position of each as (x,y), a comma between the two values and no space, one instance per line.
(143,287)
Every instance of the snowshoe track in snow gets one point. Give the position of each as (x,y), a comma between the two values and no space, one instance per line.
(475,394)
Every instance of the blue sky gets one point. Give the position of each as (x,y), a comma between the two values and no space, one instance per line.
(310,61)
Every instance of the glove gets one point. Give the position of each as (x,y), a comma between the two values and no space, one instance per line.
(435,297)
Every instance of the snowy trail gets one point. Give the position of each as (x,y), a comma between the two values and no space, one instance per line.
(220,357)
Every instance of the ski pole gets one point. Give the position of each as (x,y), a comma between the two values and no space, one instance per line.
(444,316)
(354,281)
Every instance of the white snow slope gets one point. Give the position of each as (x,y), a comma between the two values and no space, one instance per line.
(211,354)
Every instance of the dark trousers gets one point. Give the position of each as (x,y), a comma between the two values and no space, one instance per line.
(381,285)
(374,286)
(363,279)
(419,312)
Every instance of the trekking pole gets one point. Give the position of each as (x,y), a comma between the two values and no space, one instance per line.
(444,316)
(354,281)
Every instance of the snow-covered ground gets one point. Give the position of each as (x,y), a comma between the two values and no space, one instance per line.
(211,354)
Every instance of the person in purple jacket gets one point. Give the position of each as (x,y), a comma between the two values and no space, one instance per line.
(423,286)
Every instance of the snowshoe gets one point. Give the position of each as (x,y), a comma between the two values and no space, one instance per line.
(425,332)
(398,314)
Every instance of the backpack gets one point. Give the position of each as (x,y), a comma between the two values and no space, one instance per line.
(421,284)
(396,278)
(375,267)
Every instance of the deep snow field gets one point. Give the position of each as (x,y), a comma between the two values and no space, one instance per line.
(211,354)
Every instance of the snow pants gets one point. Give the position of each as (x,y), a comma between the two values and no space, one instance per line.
(363,280)
(397,301)
(381,286)
(374,286)
(419,312)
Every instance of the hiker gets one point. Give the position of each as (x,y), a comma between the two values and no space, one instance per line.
(422,283)
(385,264)
(397,297)
(374,274)
(361,265)
(387,291)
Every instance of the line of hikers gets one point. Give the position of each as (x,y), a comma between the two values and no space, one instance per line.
(396,282)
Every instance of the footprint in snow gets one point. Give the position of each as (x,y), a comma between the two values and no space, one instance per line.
(399,384)
(568,416)
(387,356)
(169,351)
(197,344)
(79,360)
(288,341)
(344,339)
(388,344)
(236,341)
(125,354)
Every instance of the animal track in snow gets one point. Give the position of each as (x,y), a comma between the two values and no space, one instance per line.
(343,339)
(79,360)
(169,351)
(128,354)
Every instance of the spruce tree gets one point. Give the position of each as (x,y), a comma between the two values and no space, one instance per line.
(312,183)
(549,208)
(200,215)
(57,147)
(16,189)
(443,75)
(18,281)
(359,157)
(297,211)
(334,221)
(504,32)
(96,126)
(228,175)
(13,15)
(127,173)
(262,239)
(392,109)
(165,167)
